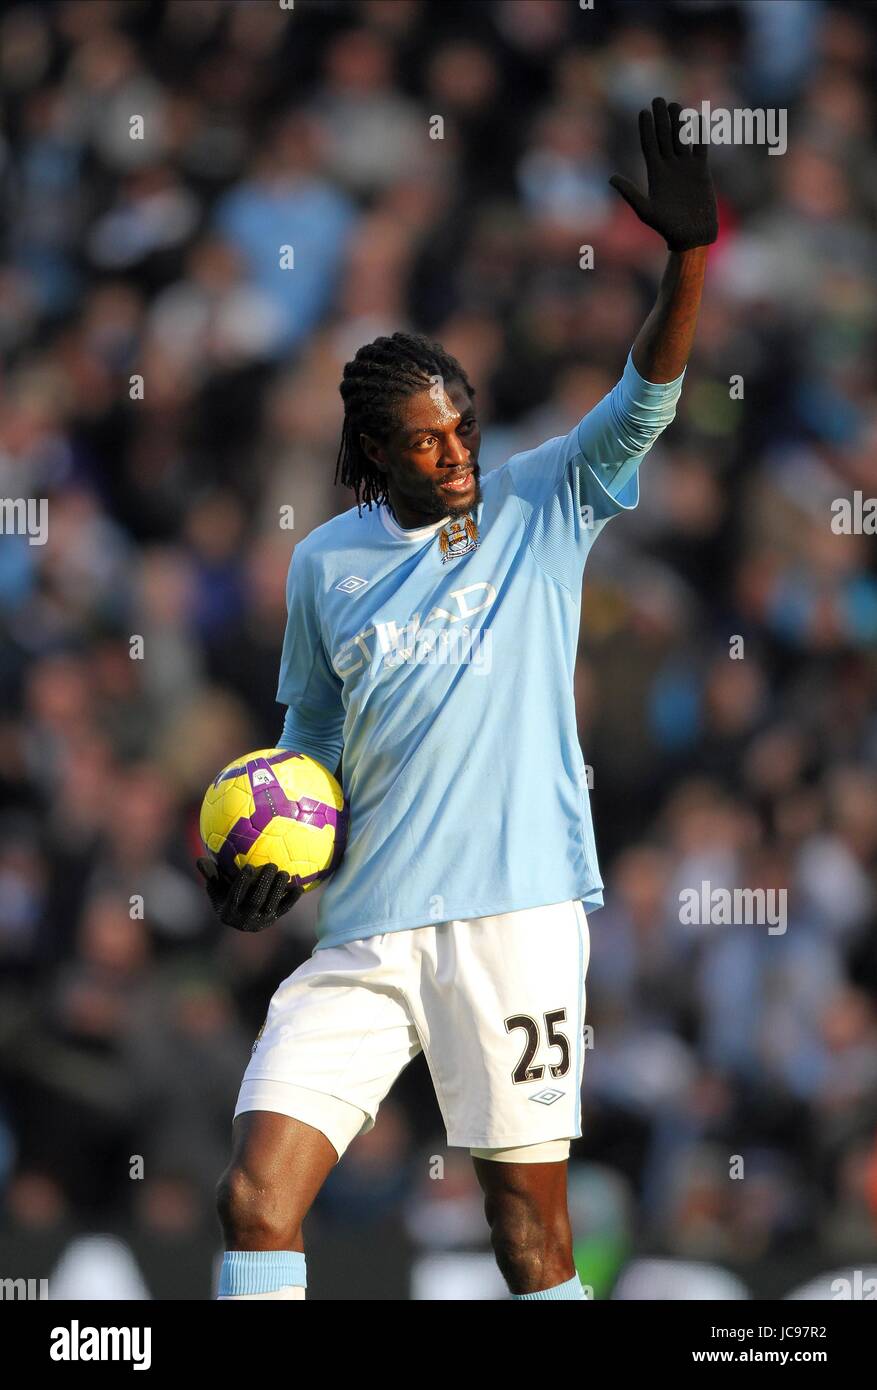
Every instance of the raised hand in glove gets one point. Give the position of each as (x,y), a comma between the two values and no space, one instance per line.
(253,899)
(680,203)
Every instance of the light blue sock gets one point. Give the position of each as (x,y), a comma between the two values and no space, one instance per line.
(260,1271)
(571,1289)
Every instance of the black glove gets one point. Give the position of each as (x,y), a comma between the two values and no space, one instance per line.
(253,899)
(681,203)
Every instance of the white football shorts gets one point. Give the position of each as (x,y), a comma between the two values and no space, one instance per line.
(497,1004)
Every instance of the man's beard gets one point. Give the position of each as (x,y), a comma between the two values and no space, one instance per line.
(445,506)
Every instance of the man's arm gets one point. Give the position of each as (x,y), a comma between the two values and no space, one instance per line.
(680,204)
(289,739)
(663,344)
(253,899)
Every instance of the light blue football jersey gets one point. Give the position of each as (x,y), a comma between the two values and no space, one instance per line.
(441,659)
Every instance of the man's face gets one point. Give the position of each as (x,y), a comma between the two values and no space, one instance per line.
(431,459)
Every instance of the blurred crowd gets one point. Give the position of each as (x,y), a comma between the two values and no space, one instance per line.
(170,387)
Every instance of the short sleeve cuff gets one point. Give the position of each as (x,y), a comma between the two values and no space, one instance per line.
(649,391)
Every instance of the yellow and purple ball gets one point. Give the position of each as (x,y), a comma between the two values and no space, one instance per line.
(276,806)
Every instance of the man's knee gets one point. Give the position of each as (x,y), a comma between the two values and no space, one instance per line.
(278,1166)
(255,1215)
(528,1244)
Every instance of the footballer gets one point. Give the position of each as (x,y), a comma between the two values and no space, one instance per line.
(456,922)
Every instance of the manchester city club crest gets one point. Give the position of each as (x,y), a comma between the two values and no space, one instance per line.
(458,537)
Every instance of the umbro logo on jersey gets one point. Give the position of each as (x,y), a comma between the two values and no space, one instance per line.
(547,1097)
(351,584)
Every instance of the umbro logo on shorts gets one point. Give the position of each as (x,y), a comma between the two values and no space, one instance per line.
(547,1097)
(351,584)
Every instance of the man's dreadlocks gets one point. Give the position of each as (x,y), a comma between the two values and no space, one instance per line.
(381,375)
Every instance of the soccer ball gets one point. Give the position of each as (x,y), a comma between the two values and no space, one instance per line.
(279,807)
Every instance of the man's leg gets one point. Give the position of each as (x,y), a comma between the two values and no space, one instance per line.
(503,1008)
(338,1022)
(278,1166)
(526,1210)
